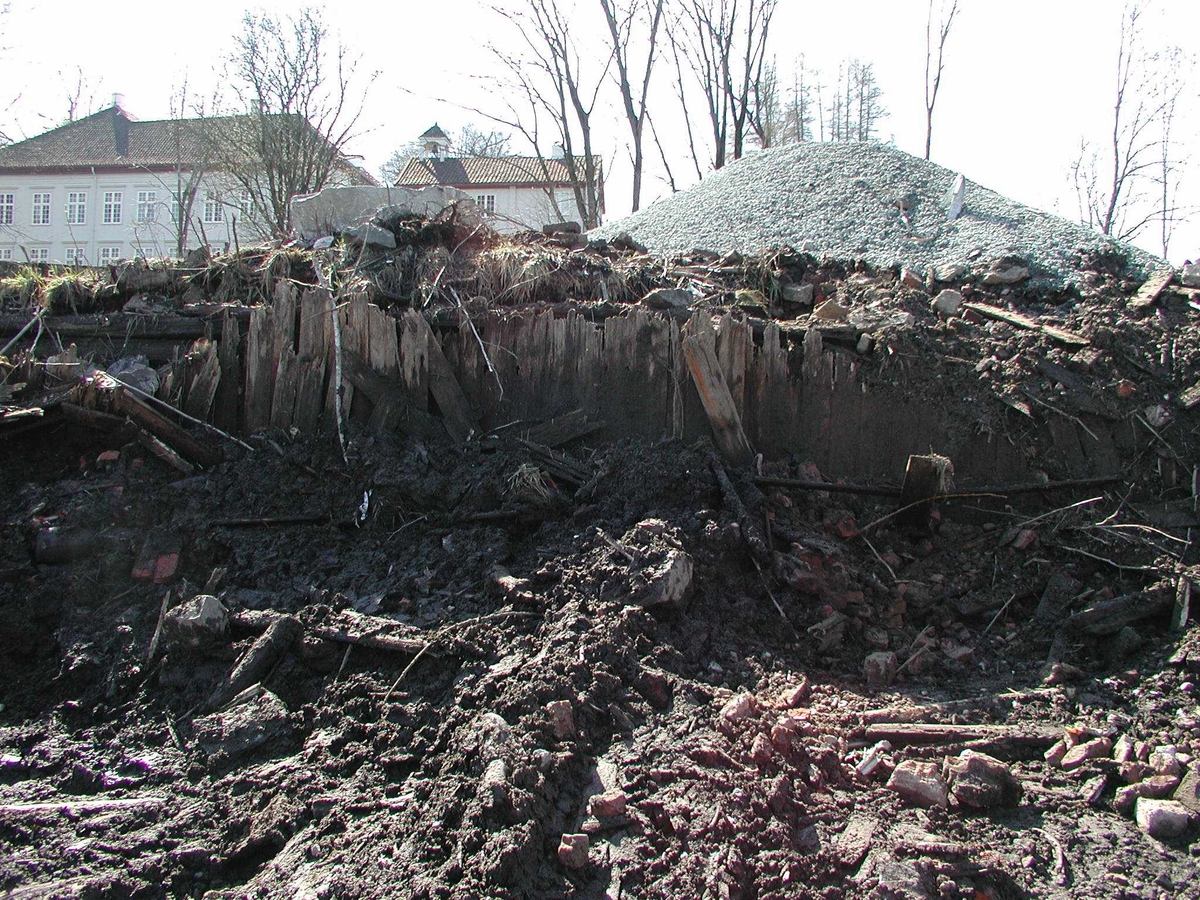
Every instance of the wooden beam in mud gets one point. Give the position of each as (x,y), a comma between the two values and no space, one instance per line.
(461,420)
(718,402)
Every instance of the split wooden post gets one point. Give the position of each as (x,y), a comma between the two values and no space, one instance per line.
(455,408)
(924,477)
(699,350)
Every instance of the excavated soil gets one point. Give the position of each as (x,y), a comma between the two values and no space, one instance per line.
(564,675)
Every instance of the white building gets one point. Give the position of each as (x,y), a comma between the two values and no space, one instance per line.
(108,187)
(515,192)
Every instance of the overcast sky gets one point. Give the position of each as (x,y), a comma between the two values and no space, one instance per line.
(1025,80)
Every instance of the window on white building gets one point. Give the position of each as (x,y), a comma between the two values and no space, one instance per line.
(146,203)
(7,203)
(5,253)
(487,202)
(39,254)
(112,207)
(41,208)
(76,208)
(213,210)
(175,210)
(109,255)
(76,256)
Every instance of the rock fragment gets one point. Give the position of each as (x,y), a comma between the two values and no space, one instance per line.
(562,718)
(947,303)
(831,311)
(573,851)
(608,804)
(738,707)
(1162,819)
(982,781)
(1099,748)
(920,783)
(201,621)
(880,668)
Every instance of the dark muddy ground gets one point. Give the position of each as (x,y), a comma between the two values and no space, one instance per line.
(708,743)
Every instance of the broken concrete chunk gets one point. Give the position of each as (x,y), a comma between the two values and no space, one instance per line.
(1188,792)
(573,851)
(1162,819)
(668,298)
(831,311)
(374,236)
(198,622)
(879,669)
(911,279)
(1189,275)
(1165,761)
(947,303)
(1157,788)
(253,718)
(982,781)
(797,294)
(920,783)
(668,581)
(562,719)
(1004,272)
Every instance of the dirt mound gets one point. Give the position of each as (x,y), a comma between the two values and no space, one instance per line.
(496,685)
(865,201)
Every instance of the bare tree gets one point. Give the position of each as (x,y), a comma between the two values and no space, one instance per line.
(632,22)
(933,68)
(856,105)
(472,141)
(868,99)
(725,43)
(1174,71)
(300,99)
(546,83)
(767,117)
(80,94)
(798,111)
(1112,179)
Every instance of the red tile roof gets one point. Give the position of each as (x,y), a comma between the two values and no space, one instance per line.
(469,172)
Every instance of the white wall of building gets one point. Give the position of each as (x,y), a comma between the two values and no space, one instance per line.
(123,215)
(521,208)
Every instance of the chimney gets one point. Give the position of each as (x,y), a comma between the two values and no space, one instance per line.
(120,123)
(119,101)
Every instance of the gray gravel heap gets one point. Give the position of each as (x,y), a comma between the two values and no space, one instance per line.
(844,200)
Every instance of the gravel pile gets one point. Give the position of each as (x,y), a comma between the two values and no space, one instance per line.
(861,201)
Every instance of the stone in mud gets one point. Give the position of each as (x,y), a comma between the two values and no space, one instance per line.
(253,718)
(982,781)
(920,783)
(198,622)
(573,851)
(1162,819)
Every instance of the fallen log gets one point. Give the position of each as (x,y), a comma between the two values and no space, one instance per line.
(1107,617)
(268,649)
(907,733)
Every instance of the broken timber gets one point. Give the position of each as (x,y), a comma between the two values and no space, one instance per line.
(1149,292)
(1017,320)
(699,350)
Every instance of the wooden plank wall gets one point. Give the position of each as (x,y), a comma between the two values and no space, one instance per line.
(793,397)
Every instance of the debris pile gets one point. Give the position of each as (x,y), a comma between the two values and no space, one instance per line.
(459,655)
